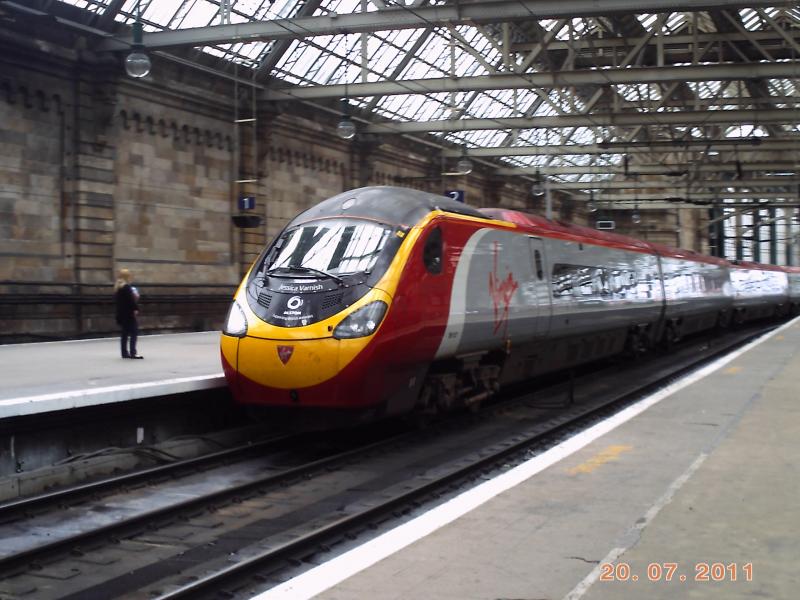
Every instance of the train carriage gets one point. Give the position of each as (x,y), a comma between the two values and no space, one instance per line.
(793,275)
(697,292)
(759,291)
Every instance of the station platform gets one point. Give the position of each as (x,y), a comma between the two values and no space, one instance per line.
(702,475)
(51,376)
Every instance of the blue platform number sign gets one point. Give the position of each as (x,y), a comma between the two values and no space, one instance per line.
(247,202)
(457,195)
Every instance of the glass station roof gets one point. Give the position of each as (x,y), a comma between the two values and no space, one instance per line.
(468,51)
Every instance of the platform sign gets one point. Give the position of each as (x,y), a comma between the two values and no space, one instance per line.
(605,225)
(247,203)
(457,195)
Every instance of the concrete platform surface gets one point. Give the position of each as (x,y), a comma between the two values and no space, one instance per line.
(707,476)
(48,376)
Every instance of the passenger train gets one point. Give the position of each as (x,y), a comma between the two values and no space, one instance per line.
(382,301)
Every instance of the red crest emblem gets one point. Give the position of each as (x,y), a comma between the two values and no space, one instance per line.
(285,353)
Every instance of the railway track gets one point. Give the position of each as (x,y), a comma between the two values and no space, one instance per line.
(262,521)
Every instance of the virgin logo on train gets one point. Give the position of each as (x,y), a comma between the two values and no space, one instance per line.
(285,353)
(502,291)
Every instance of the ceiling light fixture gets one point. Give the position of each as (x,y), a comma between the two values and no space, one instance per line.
(636,216)
(592,205)
(537,189)
(346,129)
(464,164)
(137,63)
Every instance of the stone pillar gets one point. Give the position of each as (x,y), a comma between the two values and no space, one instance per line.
(94,222)
(88,208)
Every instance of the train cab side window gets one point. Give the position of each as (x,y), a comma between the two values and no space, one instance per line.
(539,270)
(432,253)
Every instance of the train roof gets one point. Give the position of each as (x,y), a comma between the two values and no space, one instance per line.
(558,229)
(664,250)
(567,231)
(387,204)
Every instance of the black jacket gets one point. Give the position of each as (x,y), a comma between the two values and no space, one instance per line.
(126,304)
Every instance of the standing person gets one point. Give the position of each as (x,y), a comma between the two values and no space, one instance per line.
(126,298)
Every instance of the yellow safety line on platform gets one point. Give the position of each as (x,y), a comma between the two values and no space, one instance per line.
(605,456)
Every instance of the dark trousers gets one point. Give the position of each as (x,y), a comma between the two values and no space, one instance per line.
(130,330)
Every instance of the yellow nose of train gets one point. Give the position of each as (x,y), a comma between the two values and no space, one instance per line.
(312,365)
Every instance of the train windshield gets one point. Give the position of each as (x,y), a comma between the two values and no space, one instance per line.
(331,247)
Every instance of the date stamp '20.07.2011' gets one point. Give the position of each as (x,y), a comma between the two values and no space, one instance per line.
(673,571)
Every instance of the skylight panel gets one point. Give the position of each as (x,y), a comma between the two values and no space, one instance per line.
(531,137)
(675,21)
(567,177)
(709,89)
(583,160)
(783,87)
(583,135)
(531,161)
(382,58)
(488,138)
(410,107)
(323,67)
(199,14)
(160,13)
(95,6)
(647,20)
(255,8)
(433,53)
(303,61)
(750,19)
(545,110)
(745,131)
(639,93)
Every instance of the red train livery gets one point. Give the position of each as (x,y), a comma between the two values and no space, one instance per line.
(383,300)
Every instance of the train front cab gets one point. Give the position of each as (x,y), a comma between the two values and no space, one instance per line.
(303,322)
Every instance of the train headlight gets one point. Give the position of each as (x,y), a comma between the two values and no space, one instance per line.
(236,322)
(362,322)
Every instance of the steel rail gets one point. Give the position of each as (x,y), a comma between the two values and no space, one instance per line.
(7,509)
(118,528)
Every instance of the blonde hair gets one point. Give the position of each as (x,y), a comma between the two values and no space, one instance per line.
(123,279)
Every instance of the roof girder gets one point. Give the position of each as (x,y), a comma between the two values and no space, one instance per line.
(504,81)
(739,117)
(425,16)
(634,169)
(744,145)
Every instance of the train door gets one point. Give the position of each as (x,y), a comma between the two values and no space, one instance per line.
(540,284)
